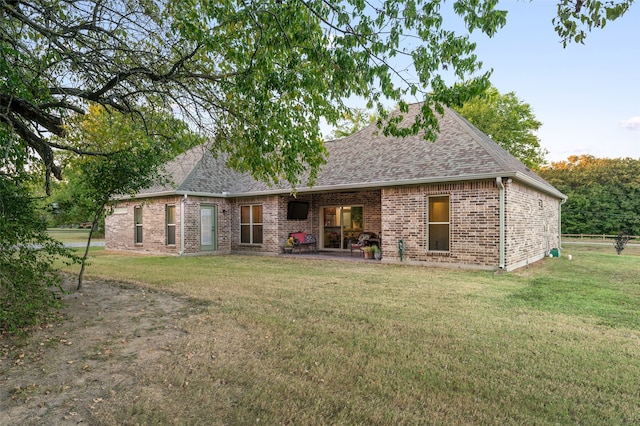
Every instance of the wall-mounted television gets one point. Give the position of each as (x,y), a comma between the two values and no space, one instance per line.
(297,210)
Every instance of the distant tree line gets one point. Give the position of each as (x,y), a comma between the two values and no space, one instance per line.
(604,194)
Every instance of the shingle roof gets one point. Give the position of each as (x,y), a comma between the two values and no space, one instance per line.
(367,159)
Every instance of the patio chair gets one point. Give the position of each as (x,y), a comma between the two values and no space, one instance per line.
(361,241)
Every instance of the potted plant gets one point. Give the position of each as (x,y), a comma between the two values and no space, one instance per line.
(288,246)
(376,252)
(368,252)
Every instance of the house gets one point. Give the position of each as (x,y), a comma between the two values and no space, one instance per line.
(461,201)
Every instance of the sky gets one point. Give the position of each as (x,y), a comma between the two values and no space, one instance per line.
(587,96)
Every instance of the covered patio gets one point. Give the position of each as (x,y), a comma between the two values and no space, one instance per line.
(339,255)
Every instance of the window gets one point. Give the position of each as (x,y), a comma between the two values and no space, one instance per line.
(137,214)
(251,224)
(171,225)
(438,223)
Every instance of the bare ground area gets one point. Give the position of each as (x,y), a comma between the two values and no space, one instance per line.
(103,335)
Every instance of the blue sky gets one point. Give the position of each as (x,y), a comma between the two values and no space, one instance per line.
(587,96)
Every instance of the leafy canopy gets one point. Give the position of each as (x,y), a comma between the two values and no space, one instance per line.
(509,122)
(604,194)
(137,151)
(134,151)
(254,75)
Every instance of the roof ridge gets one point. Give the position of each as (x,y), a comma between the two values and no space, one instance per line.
(508,162)
(481,139)
(196,163)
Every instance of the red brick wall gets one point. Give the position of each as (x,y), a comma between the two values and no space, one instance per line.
(369,200)
(192,223)
(532,225)
(119,226)
(474,224)
(308,225)
(531,220)
(270,237)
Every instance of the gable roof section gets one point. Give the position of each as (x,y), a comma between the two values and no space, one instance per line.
(367,159)
(196,171)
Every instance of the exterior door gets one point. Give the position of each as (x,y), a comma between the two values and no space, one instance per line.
(339,224)
(208,228)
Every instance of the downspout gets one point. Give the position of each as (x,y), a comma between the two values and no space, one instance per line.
(182,203)
(501,222)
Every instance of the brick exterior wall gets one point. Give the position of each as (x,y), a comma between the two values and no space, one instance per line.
(368,199)
(192,223)
(531,223)
(473,230)
(119,226)
(308,225)
(271,242)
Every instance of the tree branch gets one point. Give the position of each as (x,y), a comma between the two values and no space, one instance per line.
(32,113)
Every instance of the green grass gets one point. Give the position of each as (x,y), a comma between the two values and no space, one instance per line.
(298,341)
(70,235)
(605,287)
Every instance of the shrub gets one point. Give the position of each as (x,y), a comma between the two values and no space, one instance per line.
(27,253)
(621,241)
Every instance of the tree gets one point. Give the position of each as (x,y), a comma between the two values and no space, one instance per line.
(604,194)
(69,201)
(26,257)
(136,152)
(26,251)
(352,122)
(577,17)
(256,74)
(509,122)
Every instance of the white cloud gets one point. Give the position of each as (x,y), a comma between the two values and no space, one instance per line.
(633,123)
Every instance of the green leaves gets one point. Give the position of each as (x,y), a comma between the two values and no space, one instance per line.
(509,122)
(604,194)
(131,152)
(26,256)
(576,18)
(481,15)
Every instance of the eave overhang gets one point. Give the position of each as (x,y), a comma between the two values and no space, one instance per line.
(527,180)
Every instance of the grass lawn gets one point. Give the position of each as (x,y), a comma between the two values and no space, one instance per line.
(296,341)
(71,235)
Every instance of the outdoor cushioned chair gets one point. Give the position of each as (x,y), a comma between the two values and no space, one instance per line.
(304,240)
(361,242)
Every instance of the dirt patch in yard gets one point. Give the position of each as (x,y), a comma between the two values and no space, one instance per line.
(103,335)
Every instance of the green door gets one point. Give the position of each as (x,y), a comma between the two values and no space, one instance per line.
(208,228)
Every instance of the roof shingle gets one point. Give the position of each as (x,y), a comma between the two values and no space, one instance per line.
(369,159)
